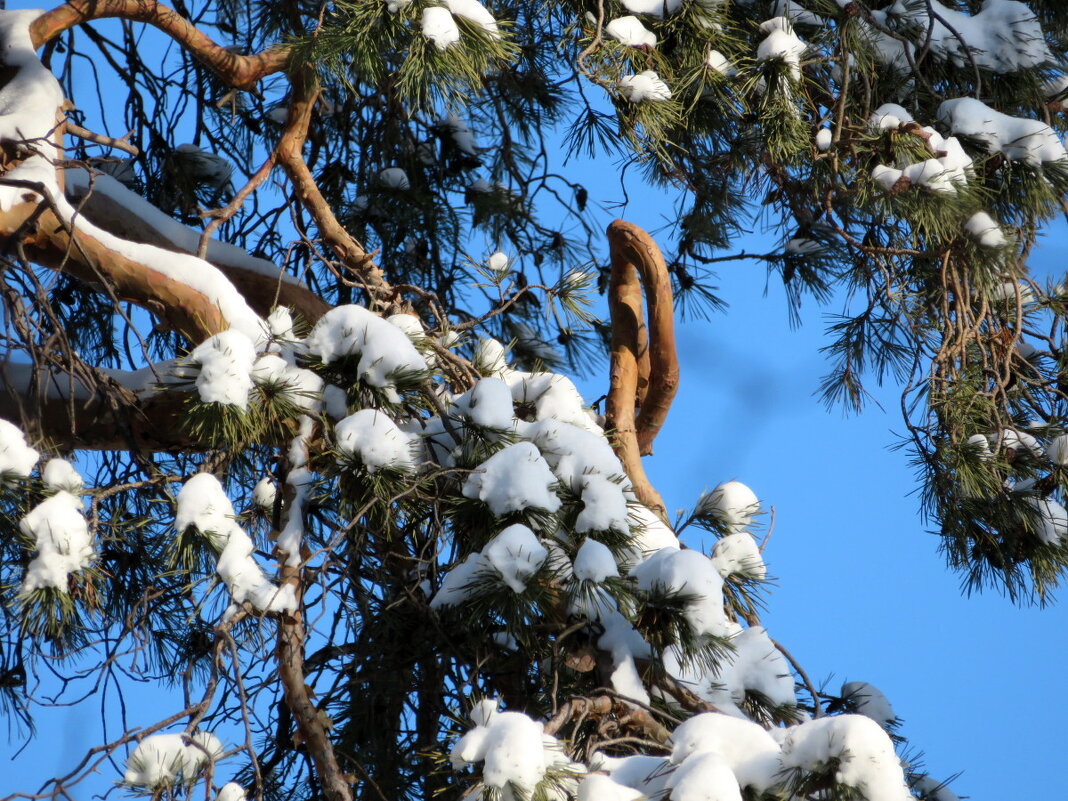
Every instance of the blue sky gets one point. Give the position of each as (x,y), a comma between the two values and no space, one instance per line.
(862,593)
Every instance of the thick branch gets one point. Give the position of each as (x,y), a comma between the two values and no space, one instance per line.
(117,210)
(119,412)
(241,72)
(633,247)
(50,242)
(625,308)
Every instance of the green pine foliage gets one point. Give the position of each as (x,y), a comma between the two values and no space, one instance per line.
(483,131)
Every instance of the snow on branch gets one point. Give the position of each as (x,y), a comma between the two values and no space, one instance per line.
(116,209)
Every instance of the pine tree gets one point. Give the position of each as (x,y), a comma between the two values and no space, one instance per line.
(281,446)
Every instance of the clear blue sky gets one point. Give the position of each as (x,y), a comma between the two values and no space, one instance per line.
(862,595)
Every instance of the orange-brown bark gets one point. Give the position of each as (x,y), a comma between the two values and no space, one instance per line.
(261,291)
(50,242)
(625,308)
(241,72)
(636,251)
(291,159)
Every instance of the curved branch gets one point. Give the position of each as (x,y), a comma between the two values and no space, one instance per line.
(633,248)
(625,308)
(241,72)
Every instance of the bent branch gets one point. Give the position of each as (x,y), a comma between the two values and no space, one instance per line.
(241,72)
(625,308)
(634,249)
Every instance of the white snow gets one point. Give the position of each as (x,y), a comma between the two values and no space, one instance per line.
(162,760)
(732,504)
(61,542)
(866,755)
(715,60)
(203,504)
(654,8)
(59,474)
(375,440)
(1057,450)
(889,116)
(516,555)
(182,268)
(513,479)
(985,229)
(594,562)
(704,777)
(498,262)
(597,787)
(231,791)
(782,44)
(265,493)
(1052,520)
(488,404)
(651,534)
(31,97)
(226,360)
(513,748)
(870,702)
(748,750)
(490,357)
(644,86)
(604,505)
(17,458)
(824,137)
(1003,37)
(629,31)
(689,573)
(384,350)
(477,13)
(1019,139)
(738,554)
(440,27)
(171,232)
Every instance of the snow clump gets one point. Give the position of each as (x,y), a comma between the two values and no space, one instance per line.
(782,44)
(17,458)
(225,360)
(644,86)
(163,760)
(514,479)
(375,441)
(60,532)
(629,31)
(731,504)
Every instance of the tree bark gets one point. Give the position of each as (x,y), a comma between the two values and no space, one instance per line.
(240,72)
